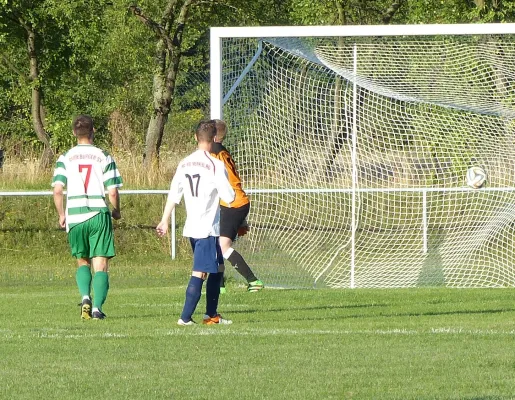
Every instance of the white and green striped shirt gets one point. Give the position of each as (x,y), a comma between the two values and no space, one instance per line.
(87,172)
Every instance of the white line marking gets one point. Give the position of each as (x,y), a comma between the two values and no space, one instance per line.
(200,330)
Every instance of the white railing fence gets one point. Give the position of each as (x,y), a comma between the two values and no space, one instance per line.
(423,191)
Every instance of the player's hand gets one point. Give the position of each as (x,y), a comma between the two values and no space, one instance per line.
(162,229)
(116,214)
(243,229)
(62,221)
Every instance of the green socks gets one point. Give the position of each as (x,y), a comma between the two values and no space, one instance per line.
(100,287)
(83,278)
(100,284)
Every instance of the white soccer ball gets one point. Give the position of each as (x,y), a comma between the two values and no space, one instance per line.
(476,177)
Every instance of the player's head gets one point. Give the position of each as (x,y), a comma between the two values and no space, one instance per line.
(221,130)
(206,132)
(83,127)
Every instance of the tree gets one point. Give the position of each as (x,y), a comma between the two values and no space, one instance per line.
(50,52)
(169,33)
(344,12)
(177,38)
(18,15)
(456,11)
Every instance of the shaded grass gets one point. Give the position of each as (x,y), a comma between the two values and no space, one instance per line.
(33,247)
(289,344)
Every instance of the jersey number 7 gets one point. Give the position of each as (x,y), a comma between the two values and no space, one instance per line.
(88,168)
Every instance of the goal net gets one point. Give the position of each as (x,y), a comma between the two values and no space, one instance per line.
(354,149)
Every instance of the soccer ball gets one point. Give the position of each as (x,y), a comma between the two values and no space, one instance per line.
(476,177)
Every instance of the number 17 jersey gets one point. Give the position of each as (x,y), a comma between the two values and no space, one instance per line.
(202,180)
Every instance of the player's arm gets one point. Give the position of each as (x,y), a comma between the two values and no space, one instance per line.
(59,180)
(225,190)
(114,199)
(174,197)
(59,204)
(229,163)
(162,227)
(112,181)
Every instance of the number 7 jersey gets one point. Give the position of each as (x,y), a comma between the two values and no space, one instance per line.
(202,180)
(86,171)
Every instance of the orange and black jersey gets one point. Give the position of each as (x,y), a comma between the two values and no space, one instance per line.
(220,152)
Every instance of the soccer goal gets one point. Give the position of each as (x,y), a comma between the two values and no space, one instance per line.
(354,144)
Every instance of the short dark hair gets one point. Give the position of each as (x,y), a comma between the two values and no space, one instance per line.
(206,131)
(221,129)
(83,125)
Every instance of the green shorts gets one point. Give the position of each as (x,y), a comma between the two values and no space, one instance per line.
(93,238)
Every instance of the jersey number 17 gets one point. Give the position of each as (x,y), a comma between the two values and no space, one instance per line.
(196,178)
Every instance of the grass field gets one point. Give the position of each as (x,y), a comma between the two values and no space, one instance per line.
(284,344)
(430,343)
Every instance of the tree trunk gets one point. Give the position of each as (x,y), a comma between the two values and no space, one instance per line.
(390,12)
(164,87)
(480,4)
(154,136)
(37,120)
(168,55)
(161,103)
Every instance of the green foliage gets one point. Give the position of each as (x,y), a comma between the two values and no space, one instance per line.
(97,58)
(337,12)
(495,11)
(313,12)
(357,12)
(66,34)
(457,11)
(178,135)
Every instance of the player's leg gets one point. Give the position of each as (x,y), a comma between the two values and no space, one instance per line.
(83,278)
(79,245)
(193,293)
(201,256)
(230,221)
(100,286)
(213,284)
(221,271)
(212,317)
(102,249)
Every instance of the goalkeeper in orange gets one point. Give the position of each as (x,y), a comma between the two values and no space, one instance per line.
(233,219)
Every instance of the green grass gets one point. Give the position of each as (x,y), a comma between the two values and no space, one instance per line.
(430,343)
(284,344)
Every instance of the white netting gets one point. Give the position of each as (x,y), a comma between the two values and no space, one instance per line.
(424,110)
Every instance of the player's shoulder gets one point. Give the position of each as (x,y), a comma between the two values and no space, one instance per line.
(88,149)
(106,153)
(218,163)
(223,154)
(195,156)
(217,148)
(215,161)
(199,158)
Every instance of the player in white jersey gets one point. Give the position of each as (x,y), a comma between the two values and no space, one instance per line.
(203,181)
(87,171)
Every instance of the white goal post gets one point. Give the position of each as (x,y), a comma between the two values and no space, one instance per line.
(354,142)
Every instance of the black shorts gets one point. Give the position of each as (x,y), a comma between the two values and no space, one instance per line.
(231,219)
